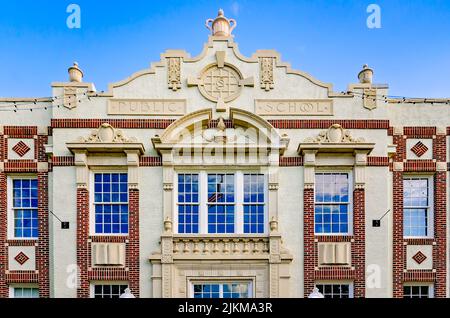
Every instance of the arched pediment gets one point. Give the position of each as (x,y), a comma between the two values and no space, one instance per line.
(242,130)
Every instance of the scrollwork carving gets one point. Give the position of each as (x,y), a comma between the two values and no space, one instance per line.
(334,134)
(106,134)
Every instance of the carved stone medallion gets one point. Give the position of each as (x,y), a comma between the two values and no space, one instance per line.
(220,83)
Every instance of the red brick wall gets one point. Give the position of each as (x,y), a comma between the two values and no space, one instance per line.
(357,275)
(84,247)
(400,274)
(42,250)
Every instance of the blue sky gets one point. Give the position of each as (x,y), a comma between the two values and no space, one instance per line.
(327,38)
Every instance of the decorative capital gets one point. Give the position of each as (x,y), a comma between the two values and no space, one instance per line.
(168,186)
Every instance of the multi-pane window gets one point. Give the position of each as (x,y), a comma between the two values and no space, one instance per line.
(25,207)
(254,203)
(209,202)
(332,203)
(416,207)
(188,203)
(221,290)
(25,292)
(335,290)
(221,203)
(109,290)
(111,203)
(414,291)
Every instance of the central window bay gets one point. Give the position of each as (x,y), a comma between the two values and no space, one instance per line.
(227,203)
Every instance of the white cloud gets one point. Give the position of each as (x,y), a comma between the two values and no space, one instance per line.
(235,8)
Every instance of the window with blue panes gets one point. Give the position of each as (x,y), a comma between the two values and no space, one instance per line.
(25,206)
(254,203)
(332,203)
(221,290)
(111,203)
(188,203)
(416,207)
(221,203)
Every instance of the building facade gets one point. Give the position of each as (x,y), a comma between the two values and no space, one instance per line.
(223,176)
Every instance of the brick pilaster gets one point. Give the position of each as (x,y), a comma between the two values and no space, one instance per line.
(359,246)
(398,257)
(309,259)
(440,218)
(82,241)
(3,236)
(398,261)
(42,252)
(133,245)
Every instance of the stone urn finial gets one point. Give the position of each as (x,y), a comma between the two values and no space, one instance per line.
(75,73)
(365,76)
(221,26)
(273,225)
(167,225)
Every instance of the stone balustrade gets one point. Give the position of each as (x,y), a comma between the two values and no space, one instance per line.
(183,245)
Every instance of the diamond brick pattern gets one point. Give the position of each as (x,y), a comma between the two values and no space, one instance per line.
(419,149)
(419,257)
(21,258)
(21,148)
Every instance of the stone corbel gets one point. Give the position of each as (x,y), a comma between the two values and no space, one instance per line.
(360,168)
(133,168)
(82,169)
(309,162)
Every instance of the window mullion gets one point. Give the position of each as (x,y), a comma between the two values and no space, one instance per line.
(239,199)
(203,198)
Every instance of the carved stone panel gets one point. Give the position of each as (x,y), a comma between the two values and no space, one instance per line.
(294,107)
(370,98)
(70,97)
(266,73)
(174,73)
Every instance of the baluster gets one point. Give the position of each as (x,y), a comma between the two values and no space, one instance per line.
(235,245)
(175,247)
(186,246)
(215,246)
(196,249)
(255,246)
(205,246)
(226,246)
(245,249)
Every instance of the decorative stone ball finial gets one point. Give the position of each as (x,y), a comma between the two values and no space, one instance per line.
(221,26)
(366,75)
(75,73)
